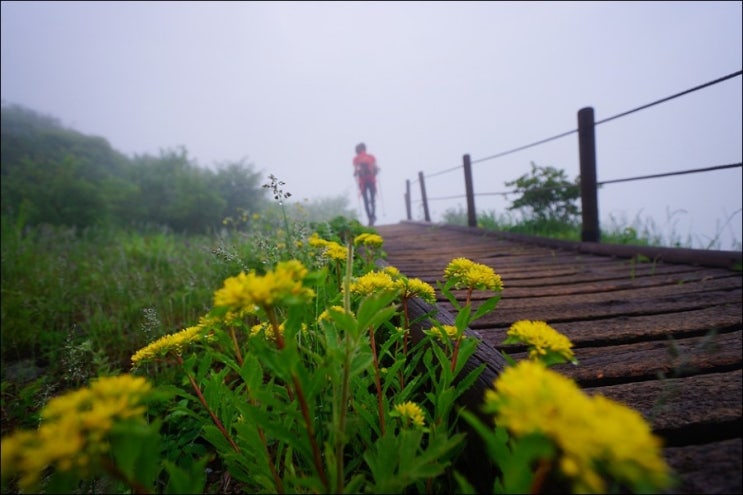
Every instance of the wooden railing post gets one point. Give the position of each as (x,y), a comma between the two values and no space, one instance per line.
(588,190)
(471,215)
(426,215)
(407,199)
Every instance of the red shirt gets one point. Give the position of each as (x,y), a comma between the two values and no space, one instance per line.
(365,168)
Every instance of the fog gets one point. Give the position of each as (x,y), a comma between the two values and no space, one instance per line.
(292,87)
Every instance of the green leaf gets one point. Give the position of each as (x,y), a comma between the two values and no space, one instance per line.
(136,450)
(526,451)
(462,319)
(446,291)
(189,480)
(375,310)
(486,307)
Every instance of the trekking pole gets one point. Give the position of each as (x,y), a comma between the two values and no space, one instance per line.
(381,198)
(358,203)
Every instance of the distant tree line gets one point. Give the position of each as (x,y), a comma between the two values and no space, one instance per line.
(55,175)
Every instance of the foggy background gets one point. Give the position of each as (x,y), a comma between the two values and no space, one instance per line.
(294,86)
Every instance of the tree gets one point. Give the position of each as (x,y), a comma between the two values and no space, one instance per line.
(546,194)
(240,186)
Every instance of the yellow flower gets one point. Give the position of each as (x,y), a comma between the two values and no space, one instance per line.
(330,249)
(542,340)
(247,292)
(325,315)
(335,251)
(411,413)
(367,239)
(465,273)
(174,342)
(411,287)
(450,331)
(590,432)
(74,430)
(457,268)
(316,241)
(373,282)
(392,272)
(233,293)
(267,330)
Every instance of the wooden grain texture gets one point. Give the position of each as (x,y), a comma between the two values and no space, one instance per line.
(658,329)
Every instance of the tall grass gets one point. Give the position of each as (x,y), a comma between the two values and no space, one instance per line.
(78,303)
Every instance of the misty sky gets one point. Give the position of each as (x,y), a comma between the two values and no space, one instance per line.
(292,87)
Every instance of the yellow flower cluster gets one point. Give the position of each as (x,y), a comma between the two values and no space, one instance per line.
(589,431)
(325,315)
(250,291)
(267,330)
(74,429)
(411,413)
(372,283)
(391,271)
(450,331)
(331,249)
(174,342)
(465,273)
(367,239)
(541,339)
(410,287)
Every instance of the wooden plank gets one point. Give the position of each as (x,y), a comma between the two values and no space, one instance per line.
(687,283)
(571,309)
(708,468)
(624,328)
(645,360)
(679,315)
(702,257)
(708,404)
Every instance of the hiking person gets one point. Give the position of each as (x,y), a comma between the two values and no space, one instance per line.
(365,170)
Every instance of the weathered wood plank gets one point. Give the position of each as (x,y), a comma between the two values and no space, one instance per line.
(712,467)
(616,273)
(679,314)
(624,328)
(645,360)
(571,309)
(708,403)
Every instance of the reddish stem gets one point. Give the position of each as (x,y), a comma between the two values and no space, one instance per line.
(377,380)
(214,417)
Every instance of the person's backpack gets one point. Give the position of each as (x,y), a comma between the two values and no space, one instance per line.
(366,171)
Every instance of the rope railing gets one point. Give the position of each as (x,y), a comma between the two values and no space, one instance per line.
(598,122)
(669,174)
(586,138)
(599,183)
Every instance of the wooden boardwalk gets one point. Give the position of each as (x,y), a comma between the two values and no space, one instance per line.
(660,332)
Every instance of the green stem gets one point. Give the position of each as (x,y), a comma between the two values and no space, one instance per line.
(345,383)
(406,326)
(455,354)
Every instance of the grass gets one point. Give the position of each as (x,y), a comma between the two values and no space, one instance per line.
(619,230)
(77,304)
